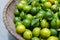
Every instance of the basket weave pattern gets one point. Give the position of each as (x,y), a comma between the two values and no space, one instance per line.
(8,15)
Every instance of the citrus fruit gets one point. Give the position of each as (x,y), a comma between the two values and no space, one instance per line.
(55,23)
(56,2)
(17,19)
(27,34)
(33,3)
(44,24)
(54,7)
(52,38)
(56,15)
(29,16)
(47,4)
(49,15)
(27,8)
(16,12)
(20,6)
(36,31)
(33,10)
(40,14)
(22,15)
(20,28)
(23,2)
(52,1)
(27,23)
(45,32)
(35,38)
(18,23)
(43,1)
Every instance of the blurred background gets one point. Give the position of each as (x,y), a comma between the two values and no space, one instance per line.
(4,34)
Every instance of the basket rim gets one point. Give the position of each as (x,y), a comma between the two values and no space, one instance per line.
(5,18)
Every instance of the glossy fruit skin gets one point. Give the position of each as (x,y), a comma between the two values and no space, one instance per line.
(56,2)
(44,24)
(33,10)
(23,2)
(20,6)
(22,15)
(47,4)
(17,23)
(27,8)
(43,1)
(29,17)
(38,8)
(52,38)
(56,15)
(36,32)
(40,14)
(27,34)
(17,19)
(53,32)
(35,38)
(42,17)
(55,23)
(43,39)
(49,15)
(20,28)
(45,32)
(54,7)
(27,23)
(52,1)
(16,12)
(35,3)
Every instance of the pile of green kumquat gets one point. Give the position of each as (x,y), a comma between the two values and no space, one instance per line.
(38,19)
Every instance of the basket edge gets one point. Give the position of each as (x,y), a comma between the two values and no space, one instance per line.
(4,18)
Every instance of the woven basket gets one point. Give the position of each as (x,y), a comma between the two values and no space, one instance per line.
(8,15)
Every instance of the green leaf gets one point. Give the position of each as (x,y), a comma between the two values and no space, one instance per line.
(34,22)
